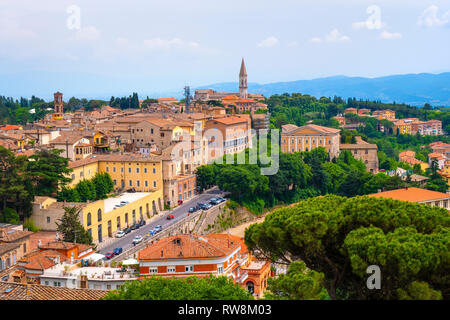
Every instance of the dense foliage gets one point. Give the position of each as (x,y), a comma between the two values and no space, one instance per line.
(88,190)
(301,175)
(22,178)
(340,237)
(298,283)
(190,288)
(70,227)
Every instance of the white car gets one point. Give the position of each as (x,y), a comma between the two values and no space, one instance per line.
(120,234)
(137,240)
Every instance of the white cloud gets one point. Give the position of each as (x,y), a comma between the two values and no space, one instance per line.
(336,36)
(268,43)
(158,44)
(390,36)
(293,44)
(316,40)
(88,34)
(429,17)
(122,42)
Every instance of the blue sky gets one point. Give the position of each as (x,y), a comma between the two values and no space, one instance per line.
(161,46)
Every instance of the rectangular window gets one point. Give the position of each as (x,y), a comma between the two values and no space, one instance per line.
(114,169)
(129,170)
(189,268)
(145,170)
(153,270)
(107,169)
(171,269)
(154,184)
(219,269)
(137,170)
(138,183)
(154,170)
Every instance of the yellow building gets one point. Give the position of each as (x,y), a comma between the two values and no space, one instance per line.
(384,114)
(102,218)
(144,174)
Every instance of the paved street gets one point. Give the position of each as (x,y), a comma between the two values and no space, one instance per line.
(179,213)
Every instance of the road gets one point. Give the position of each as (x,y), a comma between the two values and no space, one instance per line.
(179,213)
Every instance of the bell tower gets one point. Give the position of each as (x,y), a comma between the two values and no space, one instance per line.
(58,105)
(243,81)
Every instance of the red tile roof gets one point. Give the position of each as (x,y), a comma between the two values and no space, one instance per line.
(19,291)
(191,246)
(411,194)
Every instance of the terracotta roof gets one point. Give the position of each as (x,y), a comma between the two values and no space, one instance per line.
(407,153)
(19,291)
(10,127)
(315,127)
(6,247)
(41,260)
(190,246)
(11,235)
(230,120)
(230,97)
(166,99)
(411,194)
(435,155)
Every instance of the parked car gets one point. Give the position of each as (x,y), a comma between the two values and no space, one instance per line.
(142,223)
(207,206)
(120,234)
(221,199)
(127,230)
(137,240)
(117,251)
(135,226)
(214,201)
(109,254)
(170,217)
(201,205)
(180,202)
(158,228)
(192,209)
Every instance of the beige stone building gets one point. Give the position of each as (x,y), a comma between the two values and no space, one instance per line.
(309,137)
(366,152)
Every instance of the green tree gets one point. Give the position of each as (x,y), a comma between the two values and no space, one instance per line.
(341,237)
(86,190)
(16,191)
(48,171)
(70,227)
(10,216)
(298,283)
(191,288)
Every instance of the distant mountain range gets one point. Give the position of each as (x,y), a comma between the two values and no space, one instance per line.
(413,89)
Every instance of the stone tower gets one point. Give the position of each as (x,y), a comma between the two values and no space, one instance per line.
(58,102)
(58,105)
(243,81)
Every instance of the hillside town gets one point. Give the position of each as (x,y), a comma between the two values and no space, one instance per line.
(154,219)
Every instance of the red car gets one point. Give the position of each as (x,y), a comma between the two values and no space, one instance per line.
(180,202)
(170,217)
(109,254)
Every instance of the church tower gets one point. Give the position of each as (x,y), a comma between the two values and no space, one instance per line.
(58,106)
(243,81)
